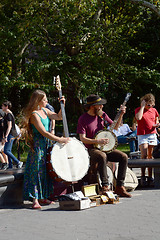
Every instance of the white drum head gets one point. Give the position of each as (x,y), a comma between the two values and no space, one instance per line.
(70,161)
(131,181)
(112,140)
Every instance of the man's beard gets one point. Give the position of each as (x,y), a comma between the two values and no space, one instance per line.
(98,112)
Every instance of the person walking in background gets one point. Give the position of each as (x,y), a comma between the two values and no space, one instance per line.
(3,157)
(134,129)
(4,160)
(147,120)
(9,134)
(37,184)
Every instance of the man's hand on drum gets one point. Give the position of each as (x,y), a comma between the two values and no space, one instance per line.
(64,140)
(103,141)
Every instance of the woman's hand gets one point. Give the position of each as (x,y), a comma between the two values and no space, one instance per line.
(64,140)
(4,140)
(62,99)
(156,125)
(143,103)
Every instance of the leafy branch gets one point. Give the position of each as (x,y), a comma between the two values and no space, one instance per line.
(149,5)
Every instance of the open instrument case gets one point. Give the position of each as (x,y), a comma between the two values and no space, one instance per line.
(88,197)
(92,191)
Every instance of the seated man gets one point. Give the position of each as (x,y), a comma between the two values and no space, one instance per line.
(89,124)
(125,135)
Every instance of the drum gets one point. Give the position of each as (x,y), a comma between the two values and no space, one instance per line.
(130,182)
(68,162)
(49,166)
(112,140)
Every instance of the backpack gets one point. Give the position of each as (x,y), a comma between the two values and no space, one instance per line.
(17,132)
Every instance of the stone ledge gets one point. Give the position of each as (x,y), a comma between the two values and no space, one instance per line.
(11,187)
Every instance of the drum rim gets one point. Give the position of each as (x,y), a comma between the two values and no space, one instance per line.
(116,141)
(55,170)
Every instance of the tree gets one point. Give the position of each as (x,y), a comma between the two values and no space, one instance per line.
(105,47)
(152,7)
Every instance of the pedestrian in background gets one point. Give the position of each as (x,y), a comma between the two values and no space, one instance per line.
(3,156)
(9,134)
(147,120)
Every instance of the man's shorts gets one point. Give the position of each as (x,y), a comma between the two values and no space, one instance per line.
(151,139)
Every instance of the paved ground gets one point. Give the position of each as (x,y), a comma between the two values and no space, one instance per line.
(137,218)
(130,219)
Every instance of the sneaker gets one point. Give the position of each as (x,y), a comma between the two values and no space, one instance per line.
(150,182)
(20,164)
(4,166)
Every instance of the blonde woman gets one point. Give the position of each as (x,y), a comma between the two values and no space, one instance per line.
(37,184)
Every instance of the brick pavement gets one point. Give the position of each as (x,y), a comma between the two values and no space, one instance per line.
(131,219)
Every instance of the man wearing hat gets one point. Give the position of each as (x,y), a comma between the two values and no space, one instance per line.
(88,125)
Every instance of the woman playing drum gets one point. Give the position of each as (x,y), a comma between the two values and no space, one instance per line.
(37,184)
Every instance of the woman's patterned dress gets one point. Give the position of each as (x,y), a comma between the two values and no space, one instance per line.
(37,183)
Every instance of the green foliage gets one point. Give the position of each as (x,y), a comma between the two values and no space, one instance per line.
(105,47)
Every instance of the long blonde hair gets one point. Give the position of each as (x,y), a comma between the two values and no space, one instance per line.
(34,101)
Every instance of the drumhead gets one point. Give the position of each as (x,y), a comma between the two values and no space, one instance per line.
(131,180)
(112,140)
(70,161)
